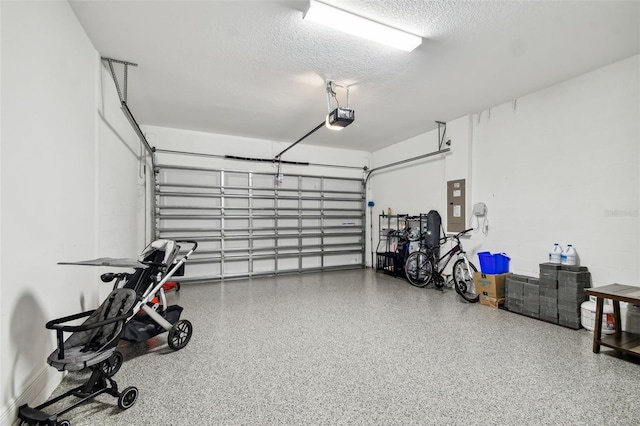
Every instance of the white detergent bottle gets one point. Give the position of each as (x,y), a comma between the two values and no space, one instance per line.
(569,256)
(555,255)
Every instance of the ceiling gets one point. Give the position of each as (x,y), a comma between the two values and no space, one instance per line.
(257,69)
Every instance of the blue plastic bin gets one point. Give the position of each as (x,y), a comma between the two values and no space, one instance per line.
(487,263)
(493,263)
(502,263)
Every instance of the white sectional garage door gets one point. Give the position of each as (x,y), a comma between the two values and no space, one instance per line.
(248,224)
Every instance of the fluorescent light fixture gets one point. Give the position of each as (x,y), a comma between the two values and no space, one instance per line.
(338,19)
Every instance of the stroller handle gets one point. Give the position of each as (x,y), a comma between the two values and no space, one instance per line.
(160,264)
(195,244)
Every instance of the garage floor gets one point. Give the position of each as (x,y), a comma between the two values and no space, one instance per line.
(361,347)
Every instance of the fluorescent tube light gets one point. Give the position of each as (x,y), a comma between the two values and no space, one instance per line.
(338,19)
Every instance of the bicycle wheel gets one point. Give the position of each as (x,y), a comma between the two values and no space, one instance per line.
(463,278)
(418,269)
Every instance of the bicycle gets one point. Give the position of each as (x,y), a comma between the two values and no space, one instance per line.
(421,268)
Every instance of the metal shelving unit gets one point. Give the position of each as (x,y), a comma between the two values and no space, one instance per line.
(394,230)
(247,224)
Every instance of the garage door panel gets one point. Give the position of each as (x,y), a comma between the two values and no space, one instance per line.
(247,224)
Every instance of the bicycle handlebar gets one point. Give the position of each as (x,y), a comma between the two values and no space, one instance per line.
(446,238)
(459,234)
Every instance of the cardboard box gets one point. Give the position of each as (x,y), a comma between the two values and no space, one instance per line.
(494,302)
(490,285)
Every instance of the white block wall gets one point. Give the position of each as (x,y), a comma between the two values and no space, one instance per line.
(558,165)
(420,186)
(69,188)
(561,165)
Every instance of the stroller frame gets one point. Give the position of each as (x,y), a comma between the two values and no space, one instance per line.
(148,281)
(107,361)
(159,313)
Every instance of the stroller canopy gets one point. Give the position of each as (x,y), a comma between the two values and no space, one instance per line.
(160,251)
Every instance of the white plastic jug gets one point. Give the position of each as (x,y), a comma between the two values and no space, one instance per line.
(569,256)
(555,255)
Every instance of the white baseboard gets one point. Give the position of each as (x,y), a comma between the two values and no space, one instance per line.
(34,393)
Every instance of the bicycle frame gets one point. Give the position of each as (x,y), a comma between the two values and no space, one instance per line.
(455,250)
(423,266)
(449,255)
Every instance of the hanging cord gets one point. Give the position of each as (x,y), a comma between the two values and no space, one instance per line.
(331,94)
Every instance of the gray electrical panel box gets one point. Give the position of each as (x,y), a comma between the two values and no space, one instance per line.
(456,205)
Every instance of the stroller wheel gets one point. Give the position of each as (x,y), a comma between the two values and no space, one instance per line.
(64,423)
(128,397)
(113,364)
(180,334)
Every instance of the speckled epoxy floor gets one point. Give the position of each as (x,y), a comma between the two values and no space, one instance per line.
(363,348)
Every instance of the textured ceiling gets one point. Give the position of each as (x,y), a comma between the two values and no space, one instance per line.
(257,69)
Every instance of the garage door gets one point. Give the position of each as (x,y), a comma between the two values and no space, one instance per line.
(248,224)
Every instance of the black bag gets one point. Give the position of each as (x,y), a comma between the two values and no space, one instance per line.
(432,236)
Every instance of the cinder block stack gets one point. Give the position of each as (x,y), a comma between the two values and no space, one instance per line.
(555,297)
(514,293)
(549,292)
(531,292)
(572,280)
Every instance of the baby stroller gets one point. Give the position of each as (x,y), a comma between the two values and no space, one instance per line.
(156,266)
(126,313)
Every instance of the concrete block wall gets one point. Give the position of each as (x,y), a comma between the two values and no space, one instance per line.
(561,165)
(420,186)
(557,165)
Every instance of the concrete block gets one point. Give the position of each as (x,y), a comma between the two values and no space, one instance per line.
(569,308)
(515,306)
(532,314)
(549,314)
(570,322)
(551,293)
(550,266)
(568,294)
(569,277)
(514,289)
(521,278)
(549,318)
(531,297)
(573,268)
(549,271)
(548,282)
